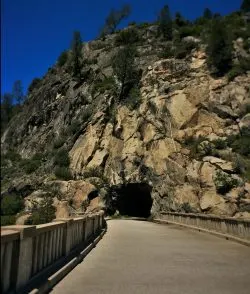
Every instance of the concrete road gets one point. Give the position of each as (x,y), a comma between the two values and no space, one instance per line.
(142,257)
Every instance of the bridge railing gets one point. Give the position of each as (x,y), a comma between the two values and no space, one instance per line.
(226,225)
(28,251)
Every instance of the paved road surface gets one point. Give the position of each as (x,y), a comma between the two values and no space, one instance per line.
(142,257)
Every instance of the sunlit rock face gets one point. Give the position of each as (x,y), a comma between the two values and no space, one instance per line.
(172,140)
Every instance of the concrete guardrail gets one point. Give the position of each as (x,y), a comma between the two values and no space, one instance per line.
(230,228)
(28,253)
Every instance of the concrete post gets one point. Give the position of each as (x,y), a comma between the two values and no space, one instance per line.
(67,234)
(24,259)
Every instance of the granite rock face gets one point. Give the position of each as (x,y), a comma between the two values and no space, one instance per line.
(168,141)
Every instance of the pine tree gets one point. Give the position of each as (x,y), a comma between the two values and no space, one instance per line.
(6,110)
(219,49)
(124,70)
(208,14)
(165,23)
(114,19)
(179,20)
(245,6)
(77,54)
(17,92)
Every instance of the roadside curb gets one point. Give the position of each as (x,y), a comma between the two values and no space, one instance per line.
(60,274)
(220,235)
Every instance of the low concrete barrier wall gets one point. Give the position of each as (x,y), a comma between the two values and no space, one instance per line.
(239,228)
(26,251)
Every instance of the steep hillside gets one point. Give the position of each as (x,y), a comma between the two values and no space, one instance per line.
(183,132)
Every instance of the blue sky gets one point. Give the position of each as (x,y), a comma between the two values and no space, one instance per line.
(35,32)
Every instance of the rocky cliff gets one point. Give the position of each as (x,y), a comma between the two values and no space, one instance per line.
(185,134)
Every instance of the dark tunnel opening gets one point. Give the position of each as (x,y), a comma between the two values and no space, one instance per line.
(134,200)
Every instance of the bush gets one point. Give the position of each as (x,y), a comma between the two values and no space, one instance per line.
(187,208)
(234,72)
(220,144)
(190,31)
(96,172)
(86,114)
(199,147)
(224,182)
(134,98)
(183,49)
(105,85)
(13,156)
(62,158)
(63,173)
(59,142)
(242,145)
(220,48)
(30,165)
(125,37)
(166,52)
(144,25)
(7,220)
(11,204)
(242,67)
(62,59)
(132,23)
(45,213)
(34,84)
(74,127)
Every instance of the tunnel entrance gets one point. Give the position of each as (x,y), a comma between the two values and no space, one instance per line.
(134,200)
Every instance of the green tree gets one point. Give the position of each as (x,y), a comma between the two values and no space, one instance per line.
(245,6)
(11,204)
(17,92)
(180,20)
(207,14)
(6,110)
(77,54)
(165,23)
(124,69)
(62,59)
(44,212)
(114,19)
(220,48)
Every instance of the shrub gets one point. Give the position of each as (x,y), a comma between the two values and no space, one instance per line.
(199,147)
(62,158)
(125,37)
(93,172)
(44,213)
(224,182)
(233,73)
(34,84)
(29,165)
(220,144)
(144,25)
(242,67)
(62,59)
(59,142)
(187,208)
(104,85)
(11,204)
(220,48)
(12,156)
(166,52)
(7,220)
(239,165)
(74,127)
(183,49)
(190,31)
(134,98)
(132,23)
(86,114)
(63,173)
